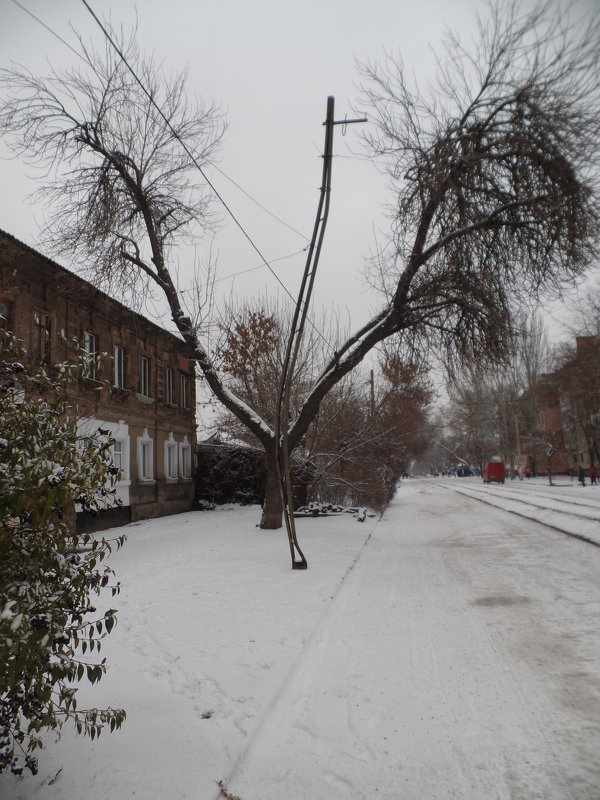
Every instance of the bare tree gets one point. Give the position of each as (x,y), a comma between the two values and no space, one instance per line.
(472,418)
(584,319)
(493,174)
(494,407)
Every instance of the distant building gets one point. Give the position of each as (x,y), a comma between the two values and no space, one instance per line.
(561,414)
(580,403)
(149,403)
(544,442)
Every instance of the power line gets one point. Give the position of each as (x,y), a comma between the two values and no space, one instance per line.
(257,202)
(190,155)
(260,266)
(208,161)
(48,28)
(188,152)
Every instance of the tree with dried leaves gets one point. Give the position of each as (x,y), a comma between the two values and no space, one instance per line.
(359,443)
(252,355)
(493,171)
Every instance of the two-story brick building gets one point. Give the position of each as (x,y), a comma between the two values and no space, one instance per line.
(138,383)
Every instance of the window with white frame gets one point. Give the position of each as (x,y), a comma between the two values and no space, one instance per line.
(144,383)
(185,459)
(120,449)
(145,447)
(120,455)
(119,367)
(89,347)
(171,458)
(169,385)
(117,454)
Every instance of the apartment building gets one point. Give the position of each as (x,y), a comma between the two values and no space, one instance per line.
(138,381)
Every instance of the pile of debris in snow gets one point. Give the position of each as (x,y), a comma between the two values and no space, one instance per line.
(325,509)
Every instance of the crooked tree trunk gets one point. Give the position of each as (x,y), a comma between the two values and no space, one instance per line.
(272,513)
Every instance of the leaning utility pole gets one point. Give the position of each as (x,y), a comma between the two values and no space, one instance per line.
(295,338)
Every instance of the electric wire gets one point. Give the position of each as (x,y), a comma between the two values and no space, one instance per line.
(194,160)
(48,28)
(208,161)
(260,266)
(257,202)
(188,152)
(191,156)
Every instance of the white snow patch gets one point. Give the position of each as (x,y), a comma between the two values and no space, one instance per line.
(449,651)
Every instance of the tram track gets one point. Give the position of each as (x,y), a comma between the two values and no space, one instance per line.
(575,517)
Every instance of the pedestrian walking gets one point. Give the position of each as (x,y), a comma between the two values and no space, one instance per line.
(581,476)
(593,480)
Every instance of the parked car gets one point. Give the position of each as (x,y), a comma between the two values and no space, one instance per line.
(494,472)
(463,471)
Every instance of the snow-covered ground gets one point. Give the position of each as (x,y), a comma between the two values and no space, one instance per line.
(565,505)
(450,650)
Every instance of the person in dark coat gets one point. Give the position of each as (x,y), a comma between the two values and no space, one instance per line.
(581,476)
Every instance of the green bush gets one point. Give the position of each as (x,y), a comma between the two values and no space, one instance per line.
(50,632)
(230,474)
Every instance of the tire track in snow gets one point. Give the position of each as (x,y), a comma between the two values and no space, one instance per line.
(413,688)
(314,641)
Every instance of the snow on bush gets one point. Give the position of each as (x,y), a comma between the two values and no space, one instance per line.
(50,633)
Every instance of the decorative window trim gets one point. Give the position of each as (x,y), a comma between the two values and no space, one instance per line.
(185,460)
(124,443)
(145,457)
(119,431)
(171,461)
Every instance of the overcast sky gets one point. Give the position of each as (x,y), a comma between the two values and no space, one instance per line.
(270,65)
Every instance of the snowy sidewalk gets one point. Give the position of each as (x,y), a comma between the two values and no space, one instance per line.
(405,691)
(448,652)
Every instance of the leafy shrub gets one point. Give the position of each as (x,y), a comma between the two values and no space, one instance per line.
(230,474)
(50,632)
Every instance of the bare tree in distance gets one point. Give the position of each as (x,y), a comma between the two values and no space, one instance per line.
(495,408)
(584,313)
(492,170)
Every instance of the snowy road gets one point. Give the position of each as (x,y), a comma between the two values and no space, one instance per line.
(566,506)
(450,651)
(460,661)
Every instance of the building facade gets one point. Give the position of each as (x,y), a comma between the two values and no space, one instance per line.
(580,403)
(137,382)
(565,432)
